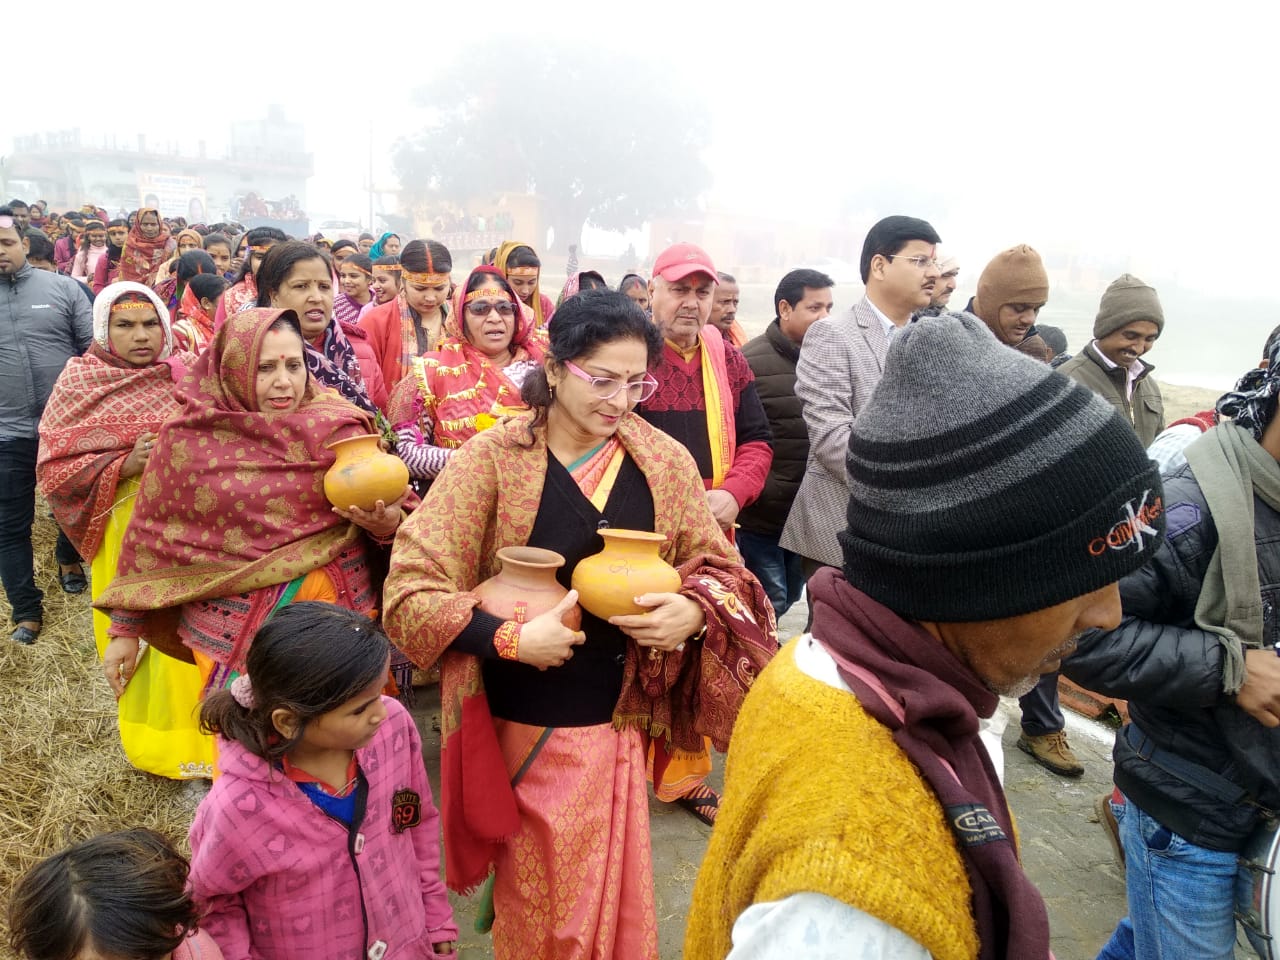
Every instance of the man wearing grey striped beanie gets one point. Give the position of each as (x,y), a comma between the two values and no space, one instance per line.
(979,480)
(994,504)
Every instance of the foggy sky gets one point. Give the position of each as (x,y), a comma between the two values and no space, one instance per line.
(1126,129)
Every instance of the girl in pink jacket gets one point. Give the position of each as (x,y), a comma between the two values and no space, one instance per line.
(320,839)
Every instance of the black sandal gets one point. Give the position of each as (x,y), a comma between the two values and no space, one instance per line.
(703,803)
(25,635)
(73,582)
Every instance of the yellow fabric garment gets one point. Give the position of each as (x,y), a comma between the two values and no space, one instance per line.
(819,798)
(601,495)
(158,713)
(715,421)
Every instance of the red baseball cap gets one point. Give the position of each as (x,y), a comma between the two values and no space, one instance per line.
(682,259)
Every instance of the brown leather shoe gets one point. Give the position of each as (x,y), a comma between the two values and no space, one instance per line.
(1052,752)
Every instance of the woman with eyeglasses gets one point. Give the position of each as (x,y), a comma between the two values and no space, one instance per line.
(545,727)
(474,376)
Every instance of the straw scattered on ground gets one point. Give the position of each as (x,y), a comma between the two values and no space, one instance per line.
(63,774)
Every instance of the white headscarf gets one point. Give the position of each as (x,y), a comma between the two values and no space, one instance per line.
(107,299)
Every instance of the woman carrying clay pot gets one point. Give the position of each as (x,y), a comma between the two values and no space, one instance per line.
(546,728)
(231,520)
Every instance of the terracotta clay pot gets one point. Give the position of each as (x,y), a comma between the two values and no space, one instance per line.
(363,474)
(526,586)
(628,566)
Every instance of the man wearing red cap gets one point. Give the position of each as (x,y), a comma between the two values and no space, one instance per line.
(707,400)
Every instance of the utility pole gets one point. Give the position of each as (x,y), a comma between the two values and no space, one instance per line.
(371,230)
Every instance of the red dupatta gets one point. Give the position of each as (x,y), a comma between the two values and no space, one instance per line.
(142,256)
(232,499)
(194,328)
(456,385)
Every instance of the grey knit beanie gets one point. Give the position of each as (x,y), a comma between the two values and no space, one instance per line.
(986,485)
(1126,300)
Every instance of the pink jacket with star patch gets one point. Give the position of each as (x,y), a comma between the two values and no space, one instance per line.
(278,878)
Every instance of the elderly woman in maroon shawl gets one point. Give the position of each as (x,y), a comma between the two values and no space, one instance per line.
(231,520)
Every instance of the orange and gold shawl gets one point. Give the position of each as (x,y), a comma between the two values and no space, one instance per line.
(486,499)
(232,499)
(142,257)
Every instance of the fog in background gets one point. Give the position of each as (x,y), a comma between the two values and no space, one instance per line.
(1139,134)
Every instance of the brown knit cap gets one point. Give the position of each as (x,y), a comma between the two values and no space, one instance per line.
(1126,300)
(1015,276)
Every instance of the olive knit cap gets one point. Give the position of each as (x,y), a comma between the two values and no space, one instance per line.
(1126,300)
(1015,276)
(985,485)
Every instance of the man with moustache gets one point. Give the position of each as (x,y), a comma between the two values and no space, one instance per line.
(707,400)
(44,321)
(862,814)
(21,214)
(841,363)
(724,310)
(728,433)
(949,268)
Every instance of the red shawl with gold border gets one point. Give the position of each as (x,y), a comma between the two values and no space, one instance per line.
(98,409)
(232,499)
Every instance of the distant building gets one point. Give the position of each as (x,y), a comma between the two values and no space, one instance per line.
(265,158)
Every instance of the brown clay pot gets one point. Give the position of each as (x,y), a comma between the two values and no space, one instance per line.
(628,566)
(363,474)
(526,586)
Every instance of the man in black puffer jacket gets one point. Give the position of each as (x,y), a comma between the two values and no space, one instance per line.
(1196,656)
(802,297)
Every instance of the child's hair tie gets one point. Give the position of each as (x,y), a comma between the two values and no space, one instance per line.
(242,691)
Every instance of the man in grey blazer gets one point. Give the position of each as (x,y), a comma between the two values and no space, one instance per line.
(840,364)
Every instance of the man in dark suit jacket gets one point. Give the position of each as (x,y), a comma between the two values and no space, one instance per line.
(803,297)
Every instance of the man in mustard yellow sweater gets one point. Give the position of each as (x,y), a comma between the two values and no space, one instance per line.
(994,505)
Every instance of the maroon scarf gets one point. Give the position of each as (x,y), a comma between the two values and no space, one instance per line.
(933,709)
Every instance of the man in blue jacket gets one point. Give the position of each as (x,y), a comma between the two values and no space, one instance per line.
(44,321)
(1196,657)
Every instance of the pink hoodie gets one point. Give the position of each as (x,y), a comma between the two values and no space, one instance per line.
(278,878)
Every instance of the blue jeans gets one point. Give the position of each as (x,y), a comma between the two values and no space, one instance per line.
(778,570)
(17,516)
(1181,897)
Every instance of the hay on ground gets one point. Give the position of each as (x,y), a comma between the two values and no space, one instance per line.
(63,773)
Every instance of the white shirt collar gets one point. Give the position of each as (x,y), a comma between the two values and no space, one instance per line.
(1134,371)
(889,325)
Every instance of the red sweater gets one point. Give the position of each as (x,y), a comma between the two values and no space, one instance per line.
(679,408)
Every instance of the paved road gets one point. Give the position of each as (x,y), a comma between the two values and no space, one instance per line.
(1064,849)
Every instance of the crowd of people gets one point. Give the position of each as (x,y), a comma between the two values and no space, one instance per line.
(968,508)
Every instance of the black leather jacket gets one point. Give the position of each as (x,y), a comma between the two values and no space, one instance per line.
(1170,671)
